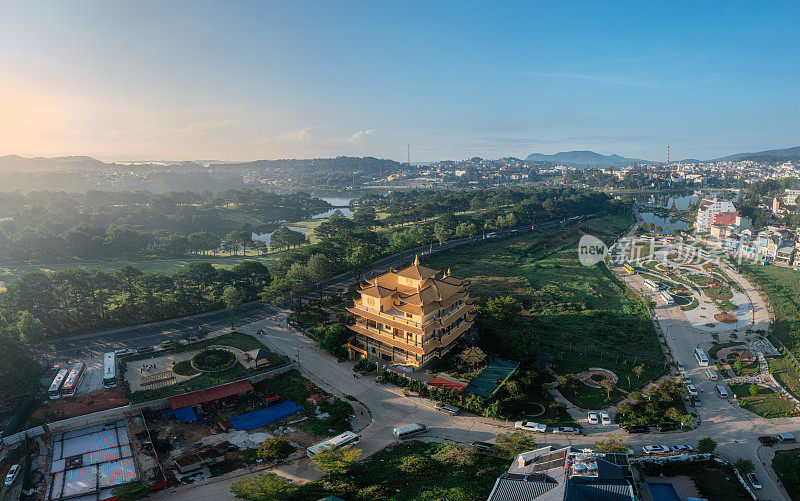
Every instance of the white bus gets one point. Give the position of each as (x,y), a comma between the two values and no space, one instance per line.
(109,370)
(408,430)
(346,438)
(701,357)
(73,380)
(55,388)
(667,297)
(651,285)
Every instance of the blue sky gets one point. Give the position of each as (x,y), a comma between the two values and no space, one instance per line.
(246,80)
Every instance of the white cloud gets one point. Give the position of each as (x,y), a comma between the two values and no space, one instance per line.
(361,135)
(299,136)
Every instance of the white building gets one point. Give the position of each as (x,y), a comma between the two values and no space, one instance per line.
(708,208)
(790,197)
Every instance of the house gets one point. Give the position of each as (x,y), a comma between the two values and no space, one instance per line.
(409,317)
(549,474)
(785,255)
(195,460)
(212,398)
(768,243)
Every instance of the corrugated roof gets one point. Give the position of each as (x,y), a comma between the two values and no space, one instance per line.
(210,394)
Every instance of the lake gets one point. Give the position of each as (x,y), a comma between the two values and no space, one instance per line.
(265,237)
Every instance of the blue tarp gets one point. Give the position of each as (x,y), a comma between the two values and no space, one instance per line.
(257,419)
(185,414)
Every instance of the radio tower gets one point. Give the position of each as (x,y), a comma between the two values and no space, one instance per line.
(408,160)
(667,154)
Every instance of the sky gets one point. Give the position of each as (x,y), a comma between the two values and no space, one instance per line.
(195,80)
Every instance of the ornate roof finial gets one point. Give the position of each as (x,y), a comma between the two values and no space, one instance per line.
(448,272)
(416,260)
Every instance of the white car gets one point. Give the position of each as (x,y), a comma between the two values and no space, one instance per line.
(680,366)
(12,474)
(655,449)
(530,426)
(692,390)
(681,448)
(566,429)
(593,418)
(687,380)
(605,418)
(754,480)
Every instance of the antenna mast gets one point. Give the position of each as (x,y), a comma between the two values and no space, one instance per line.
(667,154)
(408,160)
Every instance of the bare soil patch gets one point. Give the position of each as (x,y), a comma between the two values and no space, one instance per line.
(100,400)
(725,318)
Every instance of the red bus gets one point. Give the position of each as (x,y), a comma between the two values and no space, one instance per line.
(73,380)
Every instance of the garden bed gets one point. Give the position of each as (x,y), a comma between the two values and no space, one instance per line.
(766,403)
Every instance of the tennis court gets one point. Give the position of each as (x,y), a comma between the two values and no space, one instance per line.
(491,377)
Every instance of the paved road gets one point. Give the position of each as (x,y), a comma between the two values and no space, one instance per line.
(735,430)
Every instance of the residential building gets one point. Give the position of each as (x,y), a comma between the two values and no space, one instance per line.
(790,196)
(768,243)
(785,255)
(549,474)
(707,208)
(409,317)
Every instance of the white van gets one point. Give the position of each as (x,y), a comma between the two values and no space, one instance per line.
(409,430)
(712,374)
(723,393)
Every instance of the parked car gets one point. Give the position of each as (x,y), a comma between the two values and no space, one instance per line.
(768,440)
(681,448)
(530,426)
(447,408)
(680,366)
(483,446)
(169,343)
(12,474)
(786,437)
(687,380)
(655,449)
(637,429)
(593,418)
(753,479)
(566,429)
(668,427)
(692,390)
(696,401)
(605,419)
(145,349)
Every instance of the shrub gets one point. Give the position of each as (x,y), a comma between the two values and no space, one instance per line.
(184,368)
(213,360)
(275,448)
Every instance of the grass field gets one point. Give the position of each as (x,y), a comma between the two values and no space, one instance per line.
(767,403)
(783,290)
(582,315)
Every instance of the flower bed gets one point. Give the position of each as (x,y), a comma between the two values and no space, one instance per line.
(213,360)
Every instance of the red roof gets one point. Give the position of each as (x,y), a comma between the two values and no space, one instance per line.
(725,218)
(210,394)
(448,383)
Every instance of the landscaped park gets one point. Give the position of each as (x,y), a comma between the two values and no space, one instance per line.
(542,305)
(711,300)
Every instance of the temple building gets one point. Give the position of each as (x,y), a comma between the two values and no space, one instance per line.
(409,317)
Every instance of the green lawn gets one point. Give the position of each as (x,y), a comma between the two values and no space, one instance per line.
(586,397)
(787,466)
(574,312)
(694,304)
(767,403)
(414,471)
